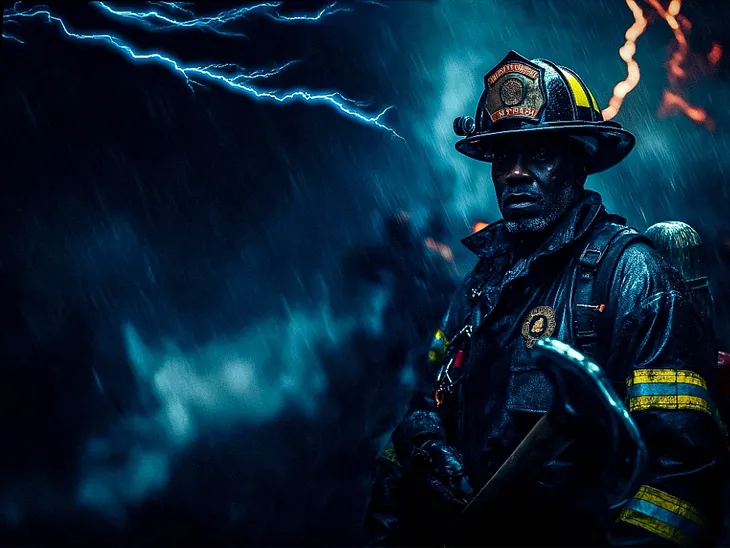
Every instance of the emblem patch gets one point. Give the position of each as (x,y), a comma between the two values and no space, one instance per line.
(514,90)
(539,323)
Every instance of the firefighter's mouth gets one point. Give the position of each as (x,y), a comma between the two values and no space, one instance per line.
(520,199)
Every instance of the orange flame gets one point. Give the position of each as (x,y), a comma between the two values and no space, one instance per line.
(715,54)
(626,52)
(479,225)
(672,102)
(441,249)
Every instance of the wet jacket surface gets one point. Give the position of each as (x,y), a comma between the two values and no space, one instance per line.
(654,349)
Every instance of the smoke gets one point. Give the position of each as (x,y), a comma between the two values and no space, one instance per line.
(258,370)
(252,378)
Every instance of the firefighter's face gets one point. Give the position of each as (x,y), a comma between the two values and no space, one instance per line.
(536,181)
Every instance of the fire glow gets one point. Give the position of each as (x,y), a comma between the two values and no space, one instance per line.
(441,249)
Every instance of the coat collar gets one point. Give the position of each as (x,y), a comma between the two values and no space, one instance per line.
(494,240)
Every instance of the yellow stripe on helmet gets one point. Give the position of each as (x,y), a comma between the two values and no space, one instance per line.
(579,95)
(594,102)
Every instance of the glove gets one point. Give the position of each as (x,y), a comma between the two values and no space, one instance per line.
(444,470)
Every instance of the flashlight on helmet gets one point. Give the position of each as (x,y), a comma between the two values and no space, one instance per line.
(464,125)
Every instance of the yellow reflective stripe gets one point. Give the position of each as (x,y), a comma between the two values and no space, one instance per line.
(593,101)
(440,335)
(668,389)
(644,403)
(579,94)
(665,515)
(653,525)
(640,376)
(670,502)
(438,346)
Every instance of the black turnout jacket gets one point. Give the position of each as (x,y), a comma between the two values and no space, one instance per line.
(653,347)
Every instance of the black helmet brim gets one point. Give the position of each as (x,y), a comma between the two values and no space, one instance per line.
(612,142)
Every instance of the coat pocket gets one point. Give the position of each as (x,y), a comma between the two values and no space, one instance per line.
(529,391)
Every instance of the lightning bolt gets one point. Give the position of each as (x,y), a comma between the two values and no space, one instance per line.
(304,18)
(227,75)
(673,100)
(175,6)
(156,20)
(626,53)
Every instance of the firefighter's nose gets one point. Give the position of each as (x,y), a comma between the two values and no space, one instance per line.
(518,174)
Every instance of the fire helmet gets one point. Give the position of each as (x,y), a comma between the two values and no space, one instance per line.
(538,97)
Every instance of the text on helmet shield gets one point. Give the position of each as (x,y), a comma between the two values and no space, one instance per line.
(514,91)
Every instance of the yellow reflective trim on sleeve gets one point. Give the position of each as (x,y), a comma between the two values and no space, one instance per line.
(664,515)
(668,389)
(579,94)
(640,376)
(438,346)
(653,525)
(695,403)
(670,503)
(440,335)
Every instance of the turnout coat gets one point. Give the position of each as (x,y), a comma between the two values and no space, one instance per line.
(599,286)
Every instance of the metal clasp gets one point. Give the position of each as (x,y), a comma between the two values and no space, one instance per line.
(444,381)
(587,251)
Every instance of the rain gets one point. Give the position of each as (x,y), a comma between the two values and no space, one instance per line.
(215,302)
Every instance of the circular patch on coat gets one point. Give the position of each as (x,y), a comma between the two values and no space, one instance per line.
(539,323)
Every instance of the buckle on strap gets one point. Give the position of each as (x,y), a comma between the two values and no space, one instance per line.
(586,337)
(591,257)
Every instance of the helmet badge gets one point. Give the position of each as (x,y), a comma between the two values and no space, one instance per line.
(513,90)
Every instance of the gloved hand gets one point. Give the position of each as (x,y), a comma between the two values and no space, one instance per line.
(444,470)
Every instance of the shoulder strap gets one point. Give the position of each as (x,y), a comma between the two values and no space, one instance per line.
(592,286)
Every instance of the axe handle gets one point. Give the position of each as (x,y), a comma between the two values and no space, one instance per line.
(542,444)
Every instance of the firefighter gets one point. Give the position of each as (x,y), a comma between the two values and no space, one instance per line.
(556,265)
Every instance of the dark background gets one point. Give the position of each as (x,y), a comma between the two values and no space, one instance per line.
(181,360)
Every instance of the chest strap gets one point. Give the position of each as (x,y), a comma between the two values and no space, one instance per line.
(592,287)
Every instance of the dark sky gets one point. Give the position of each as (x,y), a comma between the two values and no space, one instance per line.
(158,240)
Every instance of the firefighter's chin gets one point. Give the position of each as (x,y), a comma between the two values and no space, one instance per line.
(532,220)
(526,224)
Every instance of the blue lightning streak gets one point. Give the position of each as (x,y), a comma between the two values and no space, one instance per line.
(214,73)
(10,36)
(304,18)
(155,20)
(241,73)
(175,6)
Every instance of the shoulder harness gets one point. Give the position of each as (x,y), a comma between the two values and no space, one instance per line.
(593,285)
